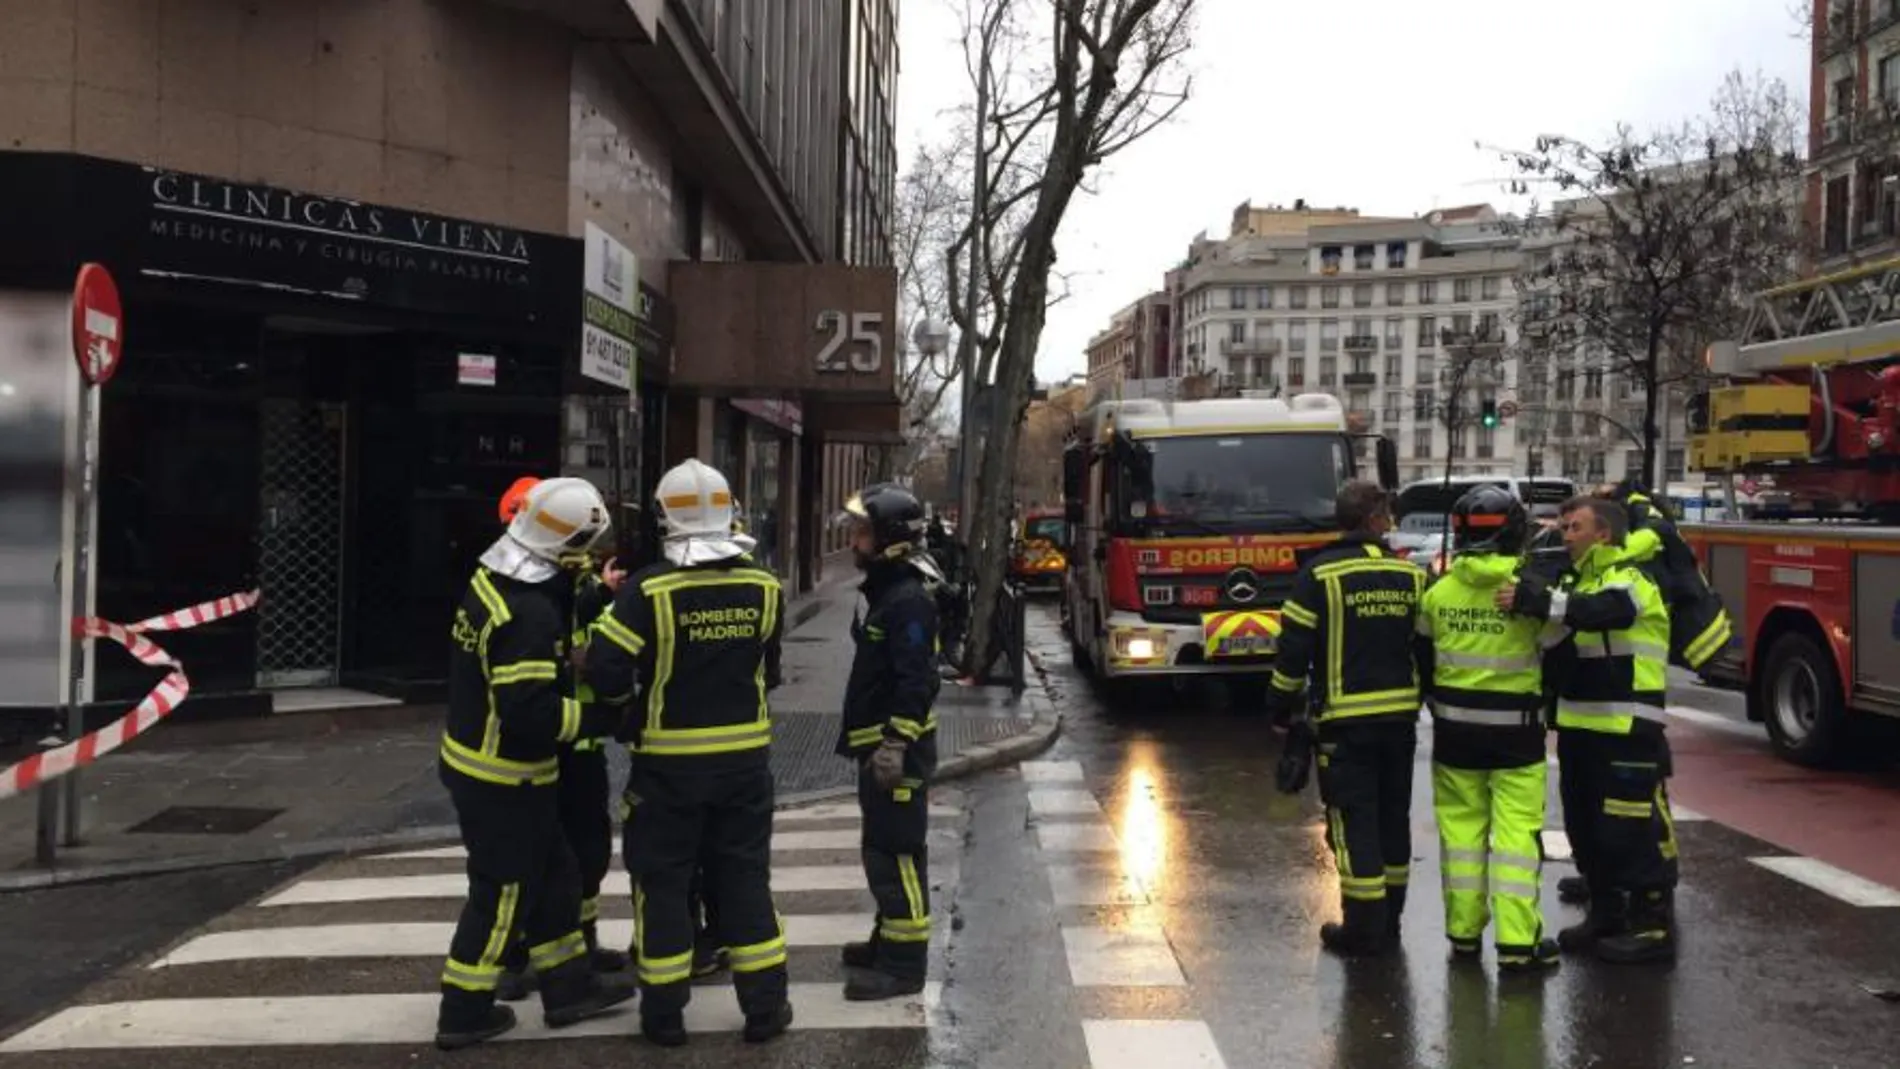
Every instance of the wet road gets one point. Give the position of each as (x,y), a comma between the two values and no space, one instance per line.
(1137,898)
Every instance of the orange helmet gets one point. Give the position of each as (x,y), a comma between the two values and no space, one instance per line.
(517,496)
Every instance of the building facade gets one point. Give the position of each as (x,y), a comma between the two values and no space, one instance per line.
(1853,195)
(380,257)
(1376,311)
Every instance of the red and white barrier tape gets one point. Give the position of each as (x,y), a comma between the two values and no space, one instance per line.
(168,695)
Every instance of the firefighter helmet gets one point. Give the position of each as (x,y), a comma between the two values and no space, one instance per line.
(559,518)
(696,510)
(1488,519)
(893,515)
(517,496)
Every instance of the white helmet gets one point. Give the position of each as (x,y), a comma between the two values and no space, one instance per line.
(696,508)
(560,518)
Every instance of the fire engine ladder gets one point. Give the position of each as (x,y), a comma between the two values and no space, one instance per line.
(1794,335)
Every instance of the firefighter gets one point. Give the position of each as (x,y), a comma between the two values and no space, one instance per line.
(584,781)
(1612,749)
(701,630)
(1485,691)
(1699,626)
(891,732)
(510,712)
(1349,625)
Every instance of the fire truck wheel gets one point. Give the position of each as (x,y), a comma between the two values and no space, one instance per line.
(1801,702)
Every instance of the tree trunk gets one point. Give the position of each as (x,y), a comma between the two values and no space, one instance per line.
(1652,372)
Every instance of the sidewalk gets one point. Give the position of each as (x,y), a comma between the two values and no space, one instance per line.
(193,796)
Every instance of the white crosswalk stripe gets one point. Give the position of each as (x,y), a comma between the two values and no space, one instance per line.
(393,914)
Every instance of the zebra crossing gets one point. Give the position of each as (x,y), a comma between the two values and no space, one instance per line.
(348,957)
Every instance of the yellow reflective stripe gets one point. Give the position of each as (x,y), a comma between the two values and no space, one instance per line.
(911,729)
(900,931)
(588,745)
(725,739)
(766,626)
(558,952)
(504,928)
(1617,807)
(663,655)
(1299,614)
(570,720)
(757,957)
(476,978)
(501,770)
(590,909)
(491,598)
(913,888)
(610,628)
(522,672)
(1711,641)
(1397,875)
(668,970)
(1669,847)
(1282,681)
(672,581)
(1365,565)
(865,736)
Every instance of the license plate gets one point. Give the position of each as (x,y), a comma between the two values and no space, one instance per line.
(1239,634)
(1243,646)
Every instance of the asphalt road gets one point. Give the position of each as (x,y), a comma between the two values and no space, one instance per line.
(1137,897)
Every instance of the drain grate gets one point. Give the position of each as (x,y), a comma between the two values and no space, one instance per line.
(204,820)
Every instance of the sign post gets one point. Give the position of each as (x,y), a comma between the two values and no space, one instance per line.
(98,346)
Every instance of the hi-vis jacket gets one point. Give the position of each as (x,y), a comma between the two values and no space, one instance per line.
(511,703)
(704,640)
(1484,667)
(894,678)
(591,599)
(1620,628)
(1699,625)
(1349,624)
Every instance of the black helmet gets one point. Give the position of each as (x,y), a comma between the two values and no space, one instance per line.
(1489,519)
(894,514)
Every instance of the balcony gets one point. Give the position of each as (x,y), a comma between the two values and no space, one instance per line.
(1250,347)
(1361,378)
(1837,130)
(1472,339)
(1361,343)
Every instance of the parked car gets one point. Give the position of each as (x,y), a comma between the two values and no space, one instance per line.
(1039,557)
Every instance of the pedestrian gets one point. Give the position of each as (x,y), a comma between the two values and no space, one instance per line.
(701,630)
(890,730)
(584,788)
(1484,672)
(1612,748)
(1347,633)
(510,711)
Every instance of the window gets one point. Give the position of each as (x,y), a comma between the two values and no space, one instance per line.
(1490,287)
(1460,290)
(1593,384)
(1328,335)
(1395,293)
(1428,292)
(1395,254)
(1262,368)
(1394,367)
(1296,336)
(1236,331)
(1362,257)
(1362,295)
(1673,470)
(1329,296)
(1236,297)
(1843,96)
(1263,296)
(1632,461)
(1566,385)
(1592,425)
(1329,371)
(1490,326)
(1427,331)
(1296,370)
(1563,423)
(1395,333)
(1296,297)
(1361,365)
(1422,372)
(596,455)
(1422,404)
(1457,443)
(1889,81)
(1422,443)
(1362,328)
(1594,470)
(1394,406)
(1461,325)
(1487,443)
(1329,260)
(1358,401)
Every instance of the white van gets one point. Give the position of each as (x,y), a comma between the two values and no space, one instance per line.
(1421,507)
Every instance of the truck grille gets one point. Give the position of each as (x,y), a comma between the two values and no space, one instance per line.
(1274,590)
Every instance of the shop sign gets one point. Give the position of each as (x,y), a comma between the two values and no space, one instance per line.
(785,415)
(610,303)
(475,369)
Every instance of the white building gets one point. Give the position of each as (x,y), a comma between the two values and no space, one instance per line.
(1375,311)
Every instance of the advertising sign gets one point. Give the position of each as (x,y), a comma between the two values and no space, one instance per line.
(610,301)
(475,369)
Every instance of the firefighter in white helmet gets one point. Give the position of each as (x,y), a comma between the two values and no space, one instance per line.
(511,709)
(701,631)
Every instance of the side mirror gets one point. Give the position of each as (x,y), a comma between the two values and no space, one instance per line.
(1388,457)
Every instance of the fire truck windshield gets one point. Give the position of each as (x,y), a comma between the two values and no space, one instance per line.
(1219,484)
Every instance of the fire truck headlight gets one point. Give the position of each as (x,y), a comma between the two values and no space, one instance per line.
(1141,649)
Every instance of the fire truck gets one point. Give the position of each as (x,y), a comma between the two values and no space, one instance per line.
(1810,403)
(1188,521)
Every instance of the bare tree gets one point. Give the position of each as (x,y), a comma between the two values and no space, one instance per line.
(931,205)
(1112,75)
(1654,243)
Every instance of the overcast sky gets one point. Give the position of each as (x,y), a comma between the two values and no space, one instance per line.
(1372,104)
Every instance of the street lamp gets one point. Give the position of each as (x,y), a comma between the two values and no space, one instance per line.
(932,339)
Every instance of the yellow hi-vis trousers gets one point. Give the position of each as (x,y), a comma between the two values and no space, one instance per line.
(1492,859)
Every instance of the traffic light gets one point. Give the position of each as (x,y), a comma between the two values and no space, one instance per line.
(1488,414)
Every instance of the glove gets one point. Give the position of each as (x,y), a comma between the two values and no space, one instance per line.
(887,764)
(1533,597)
(1296,758)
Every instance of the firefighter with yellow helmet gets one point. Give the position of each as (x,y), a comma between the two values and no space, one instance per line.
(511,708)
(701,630)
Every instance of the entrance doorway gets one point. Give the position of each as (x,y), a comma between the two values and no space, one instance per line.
(300,542)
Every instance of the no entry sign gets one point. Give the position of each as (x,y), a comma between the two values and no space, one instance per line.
(98,325)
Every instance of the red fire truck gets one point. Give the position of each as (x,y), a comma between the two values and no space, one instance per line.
(1187,521)
(1811,402)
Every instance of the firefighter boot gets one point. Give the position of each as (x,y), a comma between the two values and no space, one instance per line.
(664,1029)
(572,993)
(1545,956)
(517,980)
(861,955)
(760,1027)
(604,959)
(1573,890)
(1650,934)
(1363,934)
(1607,917)
(875,985)
(460,1027)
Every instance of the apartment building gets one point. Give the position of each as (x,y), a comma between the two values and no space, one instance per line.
(1853,195)
(1376,311)
(379,258)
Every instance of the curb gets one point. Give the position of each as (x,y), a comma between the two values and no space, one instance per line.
(1041,734)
